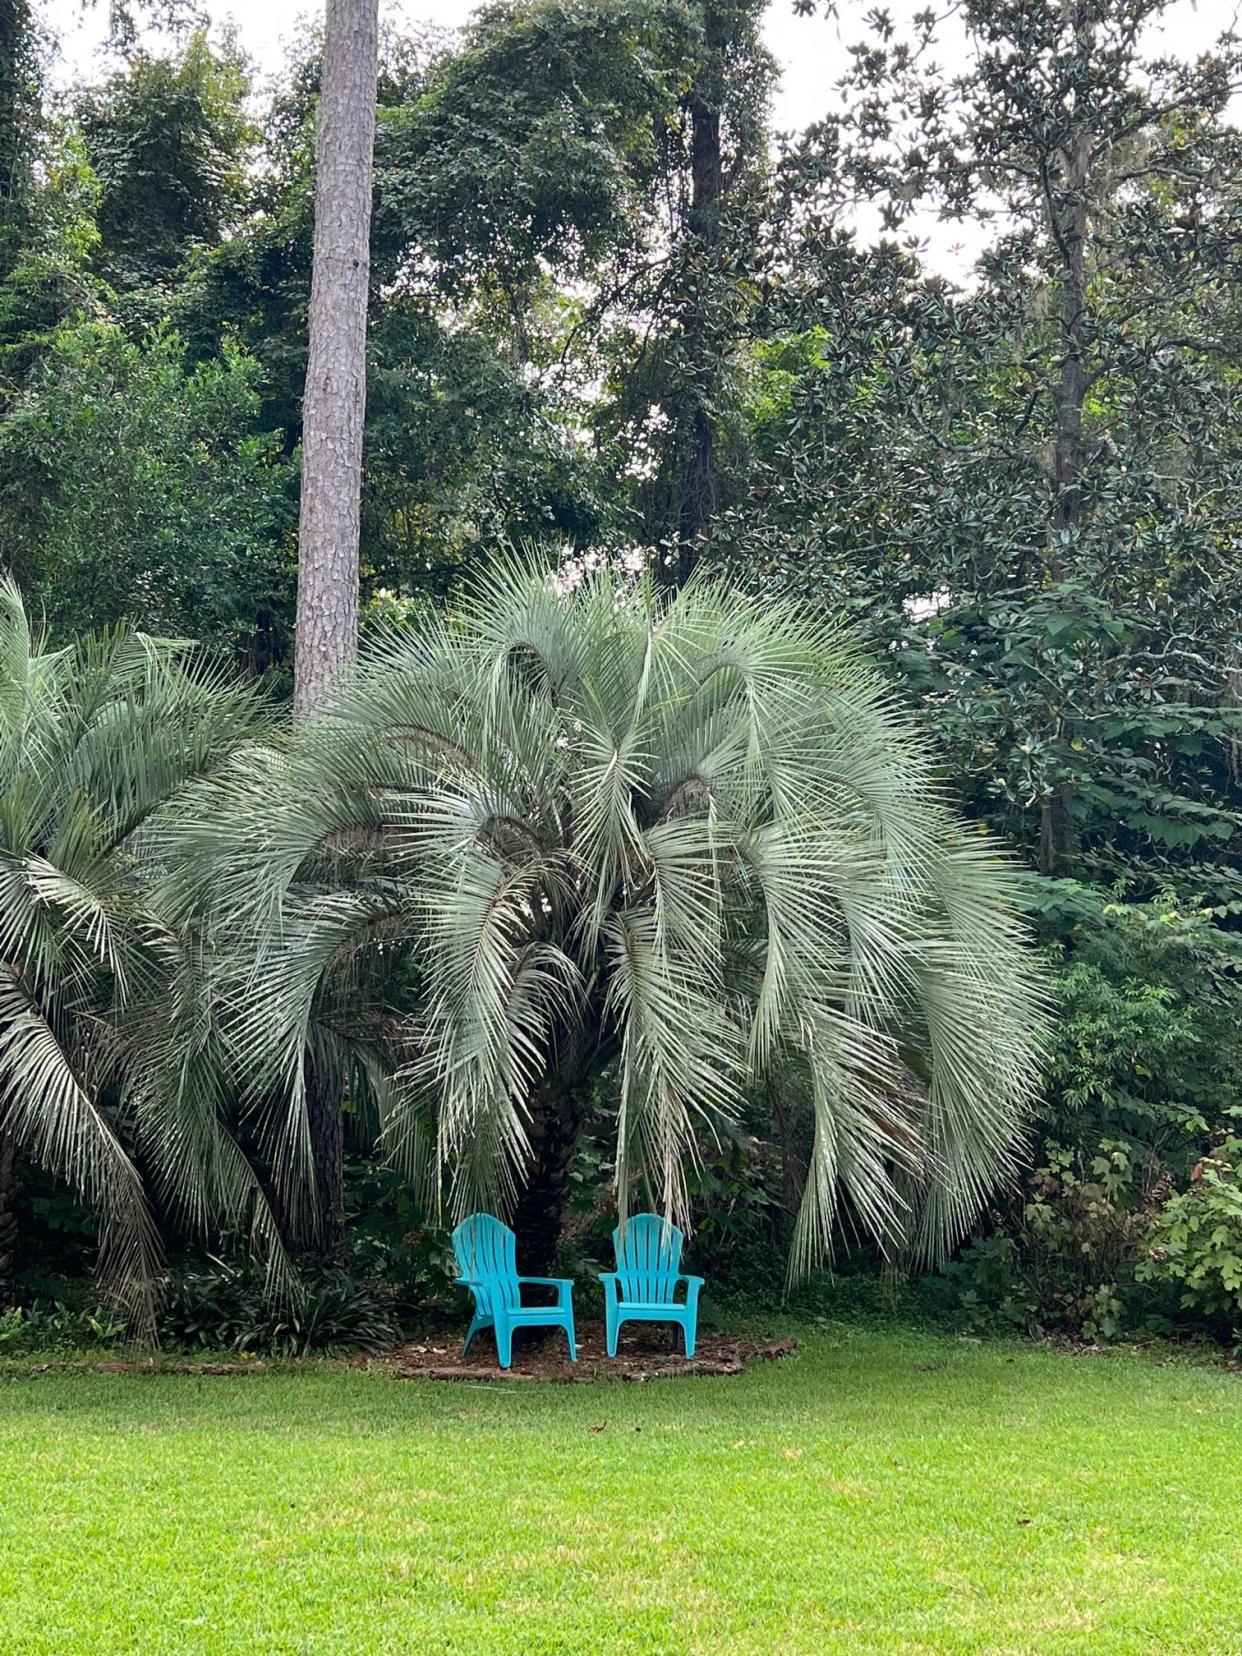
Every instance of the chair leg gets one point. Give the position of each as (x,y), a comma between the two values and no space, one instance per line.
(613,1330)
(475,1325)
(688,1332)
(504,1345)
(569,1335)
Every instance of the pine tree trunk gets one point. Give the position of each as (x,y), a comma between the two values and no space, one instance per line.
(1069,228)
(698,488)
(8,1218)
(335,402)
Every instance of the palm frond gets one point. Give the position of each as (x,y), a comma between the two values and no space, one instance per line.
(695,831)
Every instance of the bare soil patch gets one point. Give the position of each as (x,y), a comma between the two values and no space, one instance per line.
(645,1352)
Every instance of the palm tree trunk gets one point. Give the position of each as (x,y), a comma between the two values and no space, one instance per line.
(556,1115)
(793,1162)
(8,1218)
(326,1126)
(336,373)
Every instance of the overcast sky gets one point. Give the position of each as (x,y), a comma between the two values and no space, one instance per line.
(809,50)
(804,47)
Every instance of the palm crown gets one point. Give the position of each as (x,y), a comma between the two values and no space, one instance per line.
(693,835)
(94,738)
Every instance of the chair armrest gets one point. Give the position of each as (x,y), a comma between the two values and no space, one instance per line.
(564,1286)
(693,1284)
(612,1291)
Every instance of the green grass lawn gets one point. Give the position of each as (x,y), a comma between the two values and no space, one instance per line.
(874,1493)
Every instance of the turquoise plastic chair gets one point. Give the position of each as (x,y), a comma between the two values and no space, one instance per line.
(487,1260)
(644,1285)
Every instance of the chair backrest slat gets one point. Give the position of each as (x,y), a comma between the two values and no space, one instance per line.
(486,1252)
(648,1251)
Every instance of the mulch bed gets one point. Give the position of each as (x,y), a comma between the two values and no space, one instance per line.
(644,1353)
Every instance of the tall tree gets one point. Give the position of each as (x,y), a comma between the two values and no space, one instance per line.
(334,406)
(729,30)
(1040,471)
(17,81)
(617,147)
(333,412)
(680,360)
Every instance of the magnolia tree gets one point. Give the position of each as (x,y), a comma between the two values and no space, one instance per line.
(691,838)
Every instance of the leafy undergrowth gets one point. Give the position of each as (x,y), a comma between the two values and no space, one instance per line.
(883,1491)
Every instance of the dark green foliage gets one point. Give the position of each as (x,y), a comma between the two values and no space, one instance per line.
(229,1306)
(1047,461)
(19,78)
(1194,1245)
(167,139)
(543,142)
(134,488)
(51,1325)
(57,1237)
(1144,1095)
(394,1239)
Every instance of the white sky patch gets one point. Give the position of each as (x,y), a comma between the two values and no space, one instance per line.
(927,604)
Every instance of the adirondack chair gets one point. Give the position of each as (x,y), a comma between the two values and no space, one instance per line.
(644,1285)
(487,1260)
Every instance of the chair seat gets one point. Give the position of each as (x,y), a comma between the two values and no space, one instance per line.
(651,1308)
(537,1313)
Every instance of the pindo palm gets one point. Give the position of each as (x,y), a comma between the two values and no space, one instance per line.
(94,738)
(691,838)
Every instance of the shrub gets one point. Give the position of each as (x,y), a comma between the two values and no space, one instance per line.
(1142,1085)
(1062,1255)
(225,1306)
(50,1325)
(1195,1244)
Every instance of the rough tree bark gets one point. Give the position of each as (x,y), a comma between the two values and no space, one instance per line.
(556,1112)
(336,374)
(793,1162)
(553,1129)
(333,410)
(698,490)
(1068,224)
